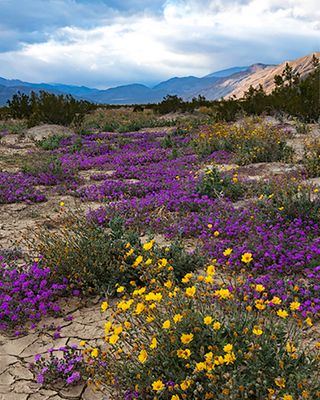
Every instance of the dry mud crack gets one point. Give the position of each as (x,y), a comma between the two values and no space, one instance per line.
(16,380)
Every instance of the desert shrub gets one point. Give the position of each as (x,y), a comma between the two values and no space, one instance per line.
(292,199)
(252,141)
(13,126)
(213,184)
(121,120)
(51,143)
(48,108)
(311,159)
(199,342)
(95,259)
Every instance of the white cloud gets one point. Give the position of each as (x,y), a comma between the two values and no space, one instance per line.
(189,37)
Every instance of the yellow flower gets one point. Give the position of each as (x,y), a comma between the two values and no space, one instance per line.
(149,261)
(137,261)
(154,343)
(257,331)
(143,355)
(168,284)
(148,246)
(94,353)
(216,326)
(246,258)
(153,296)
(158,385)
(183,353)
(186,278)
(280,382)
(107,327)
(139,308)
(207,320)
(282,313)
(227,252)
(290,347)
(276,300)
(185,384)
(190,291)
(216,233)
(186,338)
(228,348)
(177,318)
(127,324)
(287,397)
(210,226)
(222,293)
(209,279)
(175,397)
(125,305)
(113,339)
(166,324)
(309,321)
(229,358)
(104,306)
(117,329)
(61,203)
(211,270)
(162,262)
(120,289)
(200,366)
(294,305)
(260,288)
(82,343)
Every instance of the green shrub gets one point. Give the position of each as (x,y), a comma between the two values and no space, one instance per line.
(291,199)
(51,143)
(213,184)
(98,259)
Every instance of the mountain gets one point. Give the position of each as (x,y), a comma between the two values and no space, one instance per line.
(265,76)
(226,72)
(233,81)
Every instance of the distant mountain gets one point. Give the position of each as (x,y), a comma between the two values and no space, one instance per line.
(225,83)
(226,72)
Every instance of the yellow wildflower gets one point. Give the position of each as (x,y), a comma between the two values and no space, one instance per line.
(282,313)
(148,246)
(216,326)
(186,338)
(166,324)
(207,320)
(154,343)
(227,252)
(158,385)
(280,382)
(104,306)
(257,331)
(94,353)
(143,355)
(177,318)
(190,291)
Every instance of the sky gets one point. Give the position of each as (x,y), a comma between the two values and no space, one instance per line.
(105,43)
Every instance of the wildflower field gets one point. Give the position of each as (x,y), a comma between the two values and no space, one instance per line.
(171,263)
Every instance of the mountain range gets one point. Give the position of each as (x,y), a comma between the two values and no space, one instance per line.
(225,83)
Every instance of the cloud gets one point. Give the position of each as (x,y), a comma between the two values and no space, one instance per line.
(101,43)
